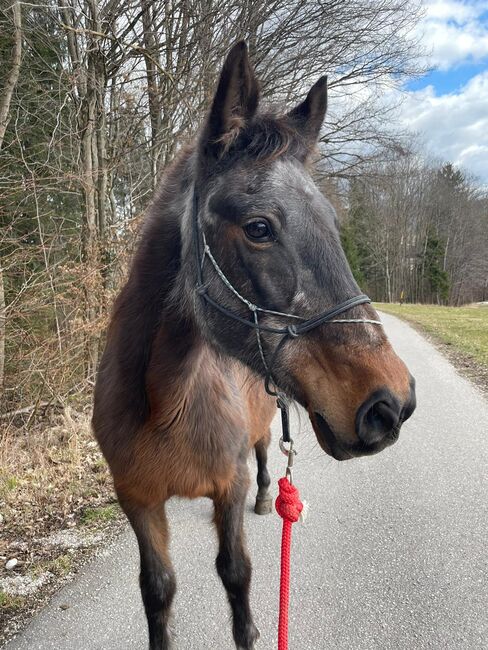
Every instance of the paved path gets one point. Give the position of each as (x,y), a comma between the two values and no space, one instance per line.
(393,554)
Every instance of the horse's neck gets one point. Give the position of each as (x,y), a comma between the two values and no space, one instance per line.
(140,306)
(159,347)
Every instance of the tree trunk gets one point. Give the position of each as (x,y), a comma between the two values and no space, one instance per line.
(13,77)
(2,331)
(5,100)
(388,273)
(153,91)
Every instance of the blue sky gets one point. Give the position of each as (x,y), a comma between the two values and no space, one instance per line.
(448,107)
(448,81)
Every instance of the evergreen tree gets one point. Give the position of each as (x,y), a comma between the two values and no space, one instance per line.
(436,277)
(349,240)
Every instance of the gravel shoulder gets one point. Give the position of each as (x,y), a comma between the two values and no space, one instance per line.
(56,508)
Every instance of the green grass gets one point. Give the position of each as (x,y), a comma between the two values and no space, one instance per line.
(60,566)
(10,602)
(8,484)
(465,328)
(103,514)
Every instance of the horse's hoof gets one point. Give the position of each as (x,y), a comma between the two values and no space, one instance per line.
(263,506)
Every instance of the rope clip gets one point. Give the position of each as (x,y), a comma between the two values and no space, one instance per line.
(288,450)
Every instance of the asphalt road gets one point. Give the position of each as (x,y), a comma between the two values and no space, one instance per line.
(393,554)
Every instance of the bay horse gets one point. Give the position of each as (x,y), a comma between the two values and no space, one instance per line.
(239,253)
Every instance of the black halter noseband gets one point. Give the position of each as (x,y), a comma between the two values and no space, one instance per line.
(288,332)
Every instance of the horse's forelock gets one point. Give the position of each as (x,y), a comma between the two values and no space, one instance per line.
(262,139)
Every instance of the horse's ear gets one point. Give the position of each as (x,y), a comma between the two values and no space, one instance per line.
(235,101)
(307,117)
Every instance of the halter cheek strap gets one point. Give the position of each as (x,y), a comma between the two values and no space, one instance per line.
(291,331)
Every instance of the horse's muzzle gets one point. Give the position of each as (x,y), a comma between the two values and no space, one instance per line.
(378,423)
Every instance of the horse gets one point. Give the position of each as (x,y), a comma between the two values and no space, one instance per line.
(238,277)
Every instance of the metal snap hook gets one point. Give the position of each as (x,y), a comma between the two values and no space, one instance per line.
(287,448)
(290,453)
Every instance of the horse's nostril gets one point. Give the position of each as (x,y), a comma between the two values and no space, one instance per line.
(382,417)
(378,416)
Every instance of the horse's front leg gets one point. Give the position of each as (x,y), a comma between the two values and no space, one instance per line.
(233,564)
(264,500)
(157,580)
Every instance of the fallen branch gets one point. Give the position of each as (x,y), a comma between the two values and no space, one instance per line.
(26,410)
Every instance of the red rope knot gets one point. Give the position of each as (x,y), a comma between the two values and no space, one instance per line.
(288,504)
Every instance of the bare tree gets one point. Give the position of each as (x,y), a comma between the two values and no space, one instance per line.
(419,229)
(111,92)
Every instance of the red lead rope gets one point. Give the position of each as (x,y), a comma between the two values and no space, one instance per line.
(289,507)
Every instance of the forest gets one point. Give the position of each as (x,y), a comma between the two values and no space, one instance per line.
(97,97)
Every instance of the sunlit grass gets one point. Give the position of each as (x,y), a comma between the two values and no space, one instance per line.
(465,328)
(102,514)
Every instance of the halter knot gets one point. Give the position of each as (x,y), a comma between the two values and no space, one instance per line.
(292,331)
(288,504)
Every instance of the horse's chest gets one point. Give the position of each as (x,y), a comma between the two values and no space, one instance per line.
(199,453)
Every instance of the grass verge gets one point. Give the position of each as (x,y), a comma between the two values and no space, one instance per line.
(462,333)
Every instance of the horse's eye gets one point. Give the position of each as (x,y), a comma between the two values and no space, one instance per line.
(259,231)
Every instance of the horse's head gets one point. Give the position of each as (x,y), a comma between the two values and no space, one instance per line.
(273,237)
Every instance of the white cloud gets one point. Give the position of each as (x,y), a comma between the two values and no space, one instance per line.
(454,33)
(454,10)
(455,125)
(452,126)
